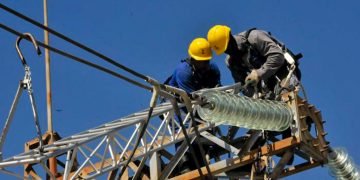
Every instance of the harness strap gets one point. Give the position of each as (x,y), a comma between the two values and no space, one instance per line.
(247,33)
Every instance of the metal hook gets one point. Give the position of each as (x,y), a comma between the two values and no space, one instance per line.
(29,36)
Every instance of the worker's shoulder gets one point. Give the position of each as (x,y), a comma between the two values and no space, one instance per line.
(183,69)
(183,65)
(258,35)
(253,33)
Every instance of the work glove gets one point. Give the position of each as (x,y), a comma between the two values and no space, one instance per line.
(252,79)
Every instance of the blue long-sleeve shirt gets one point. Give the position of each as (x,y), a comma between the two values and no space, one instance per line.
(185,78)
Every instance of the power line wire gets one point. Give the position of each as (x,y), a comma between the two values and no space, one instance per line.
(96,53)
(75,58)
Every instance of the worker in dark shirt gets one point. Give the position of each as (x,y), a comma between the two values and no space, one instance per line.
(253,56)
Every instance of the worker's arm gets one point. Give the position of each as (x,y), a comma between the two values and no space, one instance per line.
(263,43)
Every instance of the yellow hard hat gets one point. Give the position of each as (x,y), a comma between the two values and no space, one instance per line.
(200,49)
(218,37)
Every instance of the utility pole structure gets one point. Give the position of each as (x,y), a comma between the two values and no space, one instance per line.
(52,161)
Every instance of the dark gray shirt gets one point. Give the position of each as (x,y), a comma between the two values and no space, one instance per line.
(265,56)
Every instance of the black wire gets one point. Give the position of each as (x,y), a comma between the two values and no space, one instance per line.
(142,131)
(200,145)
(107,59)
(60,52)
(192,151)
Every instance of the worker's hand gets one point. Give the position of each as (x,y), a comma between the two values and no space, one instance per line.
(252,79)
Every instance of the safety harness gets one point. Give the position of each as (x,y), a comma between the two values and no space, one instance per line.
(291,59)
(292,63)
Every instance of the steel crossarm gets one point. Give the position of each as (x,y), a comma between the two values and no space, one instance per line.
(109,141)
(106,148)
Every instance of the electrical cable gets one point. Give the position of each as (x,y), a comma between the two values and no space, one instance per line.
(202,152)
(75,58)
(142,131)
(192,151)
(109,60)
(71,41)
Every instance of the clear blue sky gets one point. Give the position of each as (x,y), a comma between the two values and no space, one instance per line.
(152,37)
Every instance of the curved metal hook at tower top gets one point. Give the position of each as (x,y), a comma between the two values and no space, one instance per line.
(31,37)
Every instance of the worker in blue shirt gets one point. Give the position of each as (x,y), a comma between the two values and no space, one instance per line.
(196,72)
